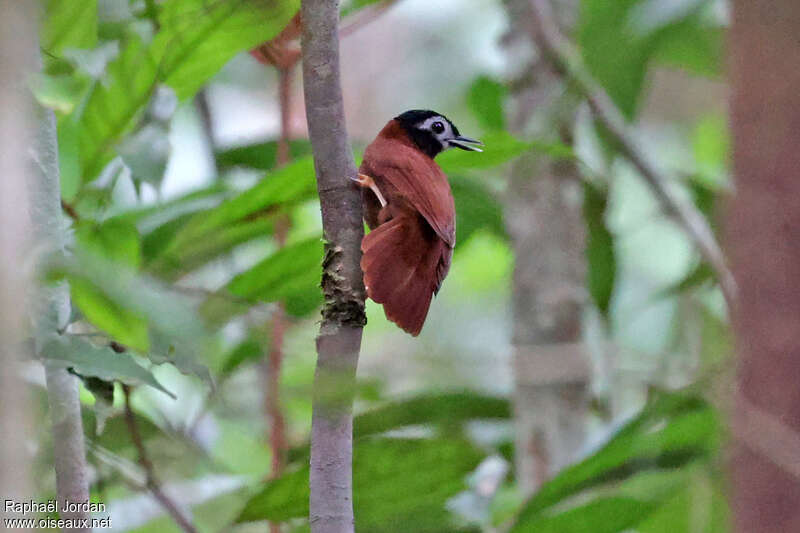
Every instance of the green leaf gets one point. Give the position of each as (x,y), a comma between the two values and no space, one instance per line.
(248,350)
(485,99)
(353,6)
(399,486)
(262,156)
(600,255)
(196,38)
(135,311)
(618,41)
(114,239)
(447,409)
(88,360)
(477,208)
(290,275)
(673,429)
(68,24)
(500,147)
(126,326)
(603,515)
(250,214)
(59,93)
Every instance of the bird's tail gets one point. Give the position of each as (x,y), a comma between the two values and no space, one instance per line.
(404,263)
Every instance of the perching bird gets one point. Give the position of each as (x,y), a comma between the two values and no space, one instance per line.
(410,210)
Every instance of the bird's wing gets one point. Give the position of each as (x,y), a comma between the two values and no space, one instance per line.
(419,180)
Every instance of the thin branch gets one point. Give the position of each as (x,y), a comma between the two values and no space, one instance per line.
(565,59)
(151,481)
(364,17)
(343,316)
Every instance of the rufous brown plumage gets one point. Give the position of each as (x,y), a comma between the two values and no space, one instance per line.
(409,207)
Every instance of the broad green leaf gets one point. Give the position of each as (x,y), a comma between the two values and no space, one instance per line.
(603,515)
(68,24)
(673,429)
(114,239)
(290,275)
(486,98)
(711,145)
(399,486)
(196,38)
(86,359)
(184,246)
(477,208)
(600,255)
(124,325)
(262,156)
(448,409)
(500,147)
(69,164)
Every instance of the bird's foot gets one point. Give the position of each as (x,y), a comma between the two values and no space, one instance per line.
(367,181)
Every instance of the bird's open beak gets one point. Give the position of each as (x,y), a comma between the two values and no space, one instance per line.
(465,142)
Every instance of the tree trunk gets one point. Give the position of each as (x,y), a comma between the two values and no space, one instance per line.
(763,234)
(544,220)
(343,317)
(16,132)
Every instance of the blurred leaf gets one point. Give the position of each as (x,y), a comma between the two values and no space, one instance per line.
(59,93)
(600,254)
(69,158)
(697,277)
(89,360)
(355,5)
(618,40)
(476,208)
(250,214)
(196,38)
(290,275)
(711,145)
(500,147)
(262,156)
(399,486)
(674,429)
(116,436)
(485,98)
(135,311)
(68,23)
(114,239)
(247,350)
(447,409)
(126,326)
(695,47)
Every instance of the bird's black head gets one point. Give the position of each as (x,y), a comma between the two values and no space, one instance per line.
(433,132)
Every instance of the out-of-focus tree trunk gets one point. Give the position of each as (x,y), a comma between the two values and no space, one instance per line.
(544,220)
(763,236)
(16,132)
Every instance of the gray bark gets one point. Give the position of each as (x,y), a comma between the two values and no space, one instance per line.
(50,311)
(343,317)
(544,220)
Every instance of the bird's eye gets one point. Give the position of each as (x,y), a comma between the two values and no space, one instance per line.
(437,127)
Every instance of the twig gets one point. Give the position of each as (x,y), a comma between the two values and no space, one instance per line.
(364,17)
(70,210)
(563,56)
(151,481)
(343,315)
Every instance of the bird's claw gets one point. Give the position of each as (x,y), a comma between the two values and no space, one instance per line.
(366,181)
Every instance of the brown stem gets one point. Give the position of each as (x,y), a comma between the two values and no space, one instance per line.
(343,317)
(562,55)
(70,210)
(151,481)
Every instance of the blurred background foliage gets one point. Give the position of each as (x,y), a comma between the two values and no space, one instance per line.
(186,235)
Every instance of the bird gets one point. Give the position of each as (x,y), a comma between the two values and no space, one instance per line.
(409,208)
